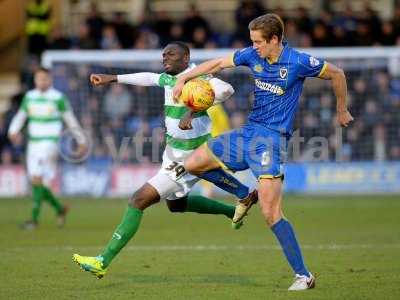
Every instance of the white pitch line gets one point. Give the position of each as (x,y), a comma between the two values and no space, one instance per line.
(167,248)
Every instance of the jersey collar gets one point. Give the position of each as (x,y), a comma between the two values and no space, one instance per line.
(285,45)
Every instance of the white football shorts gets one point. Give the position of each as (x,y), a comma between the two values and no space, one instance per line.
(172,181)
(41,160)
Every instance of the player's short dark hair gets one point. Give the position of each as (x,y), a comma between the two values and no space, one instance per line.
(184,47)
(269,25)
(43,69)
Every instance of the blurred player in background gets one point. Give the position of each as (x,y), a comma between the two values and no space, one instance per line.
(279,73)
(172,182)
(44,108)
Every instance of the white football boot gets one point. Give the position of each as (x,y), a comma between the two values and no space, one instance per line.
(302,283)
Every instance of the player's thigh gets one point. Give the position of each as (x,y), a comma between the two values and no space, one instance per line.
(200,160)
(228,150)
(266,154)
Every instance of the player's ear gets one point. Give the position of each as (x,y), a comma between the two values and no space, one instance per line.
(186,58)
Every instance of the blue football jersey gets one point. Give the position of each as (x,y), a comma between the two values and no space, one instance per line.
(278,85)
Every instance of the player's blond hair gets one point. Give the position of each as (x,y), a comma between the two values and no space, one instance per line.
(269,25)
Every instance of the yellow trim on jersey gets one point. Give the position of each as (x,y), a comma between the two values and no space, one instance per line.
(232,55)
(222,165)
(323,69)
(219,120)
(268,176)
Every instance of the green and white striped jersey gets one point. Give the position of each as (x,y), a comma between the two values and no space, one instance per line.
(176,137)
(44,112)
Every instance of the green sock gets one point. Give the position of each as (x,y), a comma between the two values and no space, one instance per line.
(37,196)
(203,205)
(52,200)
(124,232)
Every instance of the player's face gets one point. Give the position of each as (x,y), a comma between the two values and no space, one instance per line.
(174,60)
(42,80)
(263,48)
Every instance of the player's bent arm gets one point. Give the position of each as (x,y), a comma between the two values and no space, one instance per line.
(339,84)
(17,123)
(222,90)
(142,79)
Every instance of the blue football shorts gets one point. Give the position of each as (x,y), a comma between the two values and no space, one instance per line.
(253,146)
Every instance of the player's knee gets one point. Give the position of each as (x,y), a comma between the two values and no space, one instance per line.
(177,206)
(36,180)
(146,196)
(271,209)
(139,201)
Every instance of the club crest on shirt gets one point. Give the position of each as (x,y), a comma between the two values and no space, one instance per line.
(313,61)
(283,73)
(258,68)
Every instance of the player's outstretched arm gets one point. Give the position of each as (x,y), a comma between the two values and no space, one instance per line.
(339,85)
(208,67)
(142,79)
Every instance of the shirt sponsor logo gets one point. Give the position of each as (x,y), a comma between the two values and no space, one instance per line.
(275,89)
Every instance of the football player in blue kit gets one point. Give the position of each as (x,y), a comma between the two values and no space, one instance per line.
(279,73)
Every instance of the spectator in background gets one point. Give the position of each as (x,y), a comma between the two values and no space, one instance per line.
(162,27)
(38,25)
(117,102)
(192,21)
(387,38)
(125,31)
(109,40)
(292,34)
(95,23)
(176,33)
(146,40)
(320,35)
(304,22)
(246,11)
(57,40)
(84,40)
(363,35)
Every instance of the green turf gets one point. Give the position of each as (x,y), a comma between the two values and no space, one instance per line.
(351,243)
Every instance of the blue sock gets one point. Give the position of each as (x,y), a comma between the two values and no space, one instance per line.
(226,182)
(285,234)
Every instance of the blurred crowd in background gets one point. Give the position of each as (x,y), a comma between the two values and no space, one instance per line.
(374,95)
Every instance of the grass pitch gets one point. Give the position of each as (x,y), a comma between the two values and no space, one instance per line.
(351,243)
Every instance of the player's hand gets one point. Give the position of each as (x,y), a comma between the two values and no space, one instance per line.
(102,79)
(15,138)
(176,92)
(344,118)
(82,150)
(186,122)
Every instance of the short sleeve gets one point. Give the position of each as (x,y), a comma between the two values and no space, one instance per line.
(310,66)
(242,57)
(166,80)
(63,104)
